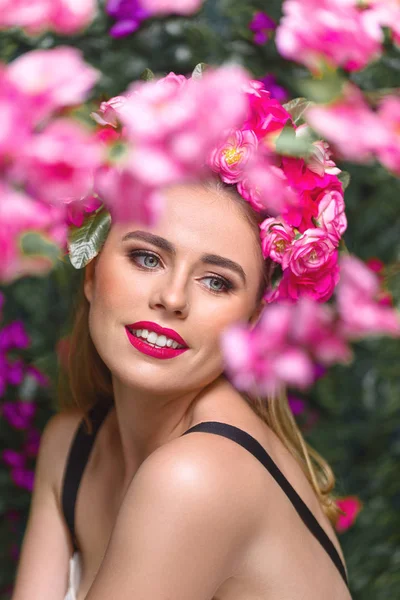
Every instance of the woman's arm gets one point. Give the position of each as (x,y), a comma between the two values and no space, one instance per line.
(183,527)
(44,561)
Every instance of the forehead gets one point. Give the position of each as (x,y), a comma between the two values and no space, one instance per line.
(198,220)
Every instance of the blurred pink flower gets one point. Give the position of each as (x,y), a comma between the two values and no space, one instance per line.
(276,238)
(52,79)
(59,163)
(344,34)
(318,285)
(77,210)
(166,7)
(266,116)
(19,214)
(388,147)
(331,214)
(63,16)
(351,505)
(230,158)
(350,124)
(108,113)
(308,253)
(387,14)
(19,414)
(127,198)
(357,295)
(262,25)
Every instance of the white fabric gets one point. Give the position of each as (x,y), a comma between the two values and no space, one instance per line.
(75,573)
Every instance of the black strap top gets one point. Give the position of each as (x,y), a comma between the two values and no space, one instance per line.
(83,443)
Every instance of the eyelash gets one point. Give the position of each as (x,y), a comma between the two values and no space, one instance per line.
(229,286)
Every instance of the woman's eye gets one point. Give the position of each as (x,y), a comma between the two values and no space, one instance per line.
(149,260)
(219,285)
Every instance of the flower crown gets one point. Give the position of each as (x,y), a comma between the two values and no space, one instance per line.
(269,154)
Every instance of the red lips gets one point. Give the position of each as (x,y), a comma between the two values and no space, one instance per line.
(170,333)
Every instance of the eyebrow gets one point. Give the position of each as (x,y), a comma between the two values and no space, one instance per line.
(211,259)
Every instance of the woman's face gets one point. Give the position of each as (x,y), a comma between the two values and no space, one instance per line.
(186,285)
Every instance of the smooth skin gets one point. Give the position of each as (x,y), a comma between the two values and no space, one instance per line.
(160,516)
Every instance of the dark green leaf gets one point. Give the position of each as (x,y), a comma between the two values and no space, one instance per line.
(147,75)
(85,242)
(296,108)
(345,178)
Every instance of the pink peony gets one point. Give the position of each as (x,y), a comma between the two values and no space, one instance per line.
(343,34)
(308,253)
(357,295)
(52,79)
(351,505)
(349,124)
(230,158)
(331,216)
(60,162)
(166,7)
(276,238)
(388,147)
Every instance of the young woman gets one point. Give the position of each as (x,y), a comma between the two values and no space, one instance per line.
(183,488)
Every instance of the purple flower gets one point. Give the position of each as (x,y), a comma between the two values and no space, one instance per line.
(277,91)
(297,405)
(19,414)
(31,447)
(261,24)
(23,478)
(13,459)
(129,15)
(14,336)
(15,372)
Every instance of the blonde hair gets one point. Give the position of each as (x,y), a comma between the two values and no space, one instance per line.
(88,381)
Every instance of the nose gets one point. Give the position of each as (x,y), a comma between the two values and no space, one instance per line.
(171,295)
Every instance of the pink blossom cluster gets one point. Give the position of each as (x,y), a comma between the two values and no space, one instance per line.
(304,195)
(168,127)
(342,33)
(63,16)
(289,339)
(356,131)
(46,160)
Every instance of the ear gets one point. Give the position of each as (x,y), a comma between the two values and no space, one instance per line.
(88,282)
(256,314)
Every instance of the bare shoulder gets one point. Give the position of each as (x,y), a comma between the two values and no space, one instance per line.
(55,443)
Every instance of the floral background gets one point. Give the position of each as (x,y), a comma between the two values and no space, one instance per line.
(352,413)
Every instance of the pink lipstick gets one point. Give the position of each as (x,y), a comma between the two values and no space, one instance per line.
(150,349)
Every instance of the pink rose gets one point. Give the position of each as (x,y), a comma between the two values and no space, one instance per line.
(229,159)
(266,116)
(331,216)
(308,253)
(166,7)
(64,16)
(276,238)
(317,285)
(108,113)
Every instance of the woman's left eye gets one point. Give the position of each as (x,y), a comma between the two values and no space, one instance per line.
(149,258)
(223,285)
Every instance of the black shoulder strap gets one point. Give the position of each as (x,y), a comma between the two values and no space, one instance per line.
(78,456)
(254,447)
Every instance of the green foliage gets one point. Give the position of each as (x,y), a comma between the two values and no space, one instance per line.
(358,406)
(85,242)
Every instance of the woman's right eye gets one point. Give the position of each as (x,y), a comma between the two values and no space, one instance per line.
(150,260)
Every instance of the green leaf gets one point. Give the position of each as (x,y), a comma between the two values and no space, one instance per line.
(85,242)
(37,245)
(199,70)
(289,144)
(296,108)
(147,75)
(344,178)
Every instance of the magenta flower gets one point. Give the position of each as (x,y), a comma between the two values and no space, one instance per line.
(276,238)
(13,459)
(108,111)
(129,15)
(308,253)
(357,295)
(165,7)
(32,443)
(14,335)
(351,505)
(343,34)
(277,91)
(262,25)
(297,405)
(23,478)
(388,147)
(266,116)
(79,209)
(19,414)
(331,216)
(230,158)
